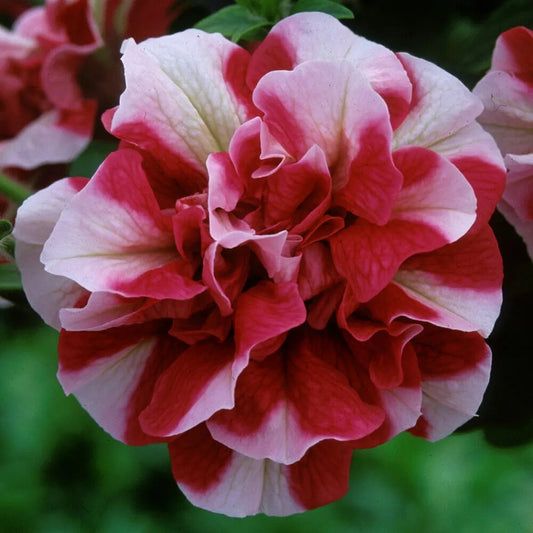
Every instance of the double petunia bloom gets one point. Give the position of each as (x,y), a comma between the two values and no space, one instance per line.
(288,258)
(507,94)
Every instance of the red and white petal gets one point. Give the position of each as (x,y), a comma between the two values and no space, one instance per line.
(455,369)
(387,351)
(434,193)
(436,206)
(516,204)
(380,364)
(320,37)
(474,152)
(224,191)
(506,92)
(196,385)
(401,404)
(14,44)
(36,219)
(38,215)
(263,313)
(112,374)
(245,148)
(218,479)
(299,194)
(315,274)
(66,136)
(519,189)
(104,310)
(185,97)
(441,105)
(514,51)
(225,274)
(508,112)
(460,283)
(113,237)
(331,105)
(231,233)
(284,406)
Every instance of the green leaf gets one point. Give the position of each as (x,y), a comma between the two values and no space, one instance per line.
(13,189)
(7,243)
(7,248)
(255,33)
(271,10)
(232,21)
(9,277)
(324,6)
(5,228)
(254,6)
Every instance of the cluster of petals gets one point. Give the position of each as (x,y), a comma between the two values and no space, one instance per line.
(507,95)
(287,259)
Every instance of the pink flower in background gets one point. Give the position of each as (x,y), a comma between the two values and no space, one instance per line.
(507,94)
(288,259)
(59,68)
(45,117)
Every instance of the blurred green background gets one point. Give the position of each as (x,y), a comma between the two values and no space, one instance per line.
(59,472)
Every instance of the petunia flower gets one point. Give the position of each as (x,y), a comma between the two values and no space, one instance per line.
(288,258)
(507,94)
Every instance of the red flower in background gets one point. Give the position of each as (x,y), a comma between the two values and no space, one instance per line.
(288,259)
(45,116)
(507,94)
(59,66)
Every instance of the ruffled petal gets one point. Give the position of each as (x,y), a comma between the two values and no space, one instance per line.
(473,151)
(216,478)
(319,37)
(36,218)
(113,372)
(284,405)
(115,238)
(202,375)
(179,106)
(460,283)
(331,105)
(455,370)
(517,202)
(66,133)
(436,206)
(432,118)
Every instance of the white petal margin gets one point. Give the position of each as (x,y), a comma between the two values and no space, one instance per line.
(42,142)
(441,105)
(460,283)
(113,231)
(36,219)
(176,87)
(462,308)
(247,487)
(449,403)
(516,204)
(319,37)
(104,388)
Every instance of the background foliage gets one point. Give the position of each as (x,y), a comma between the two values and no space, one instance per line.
(59,472)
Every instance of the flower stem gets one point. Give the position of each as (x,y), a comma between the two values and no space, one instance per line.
(13,190)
